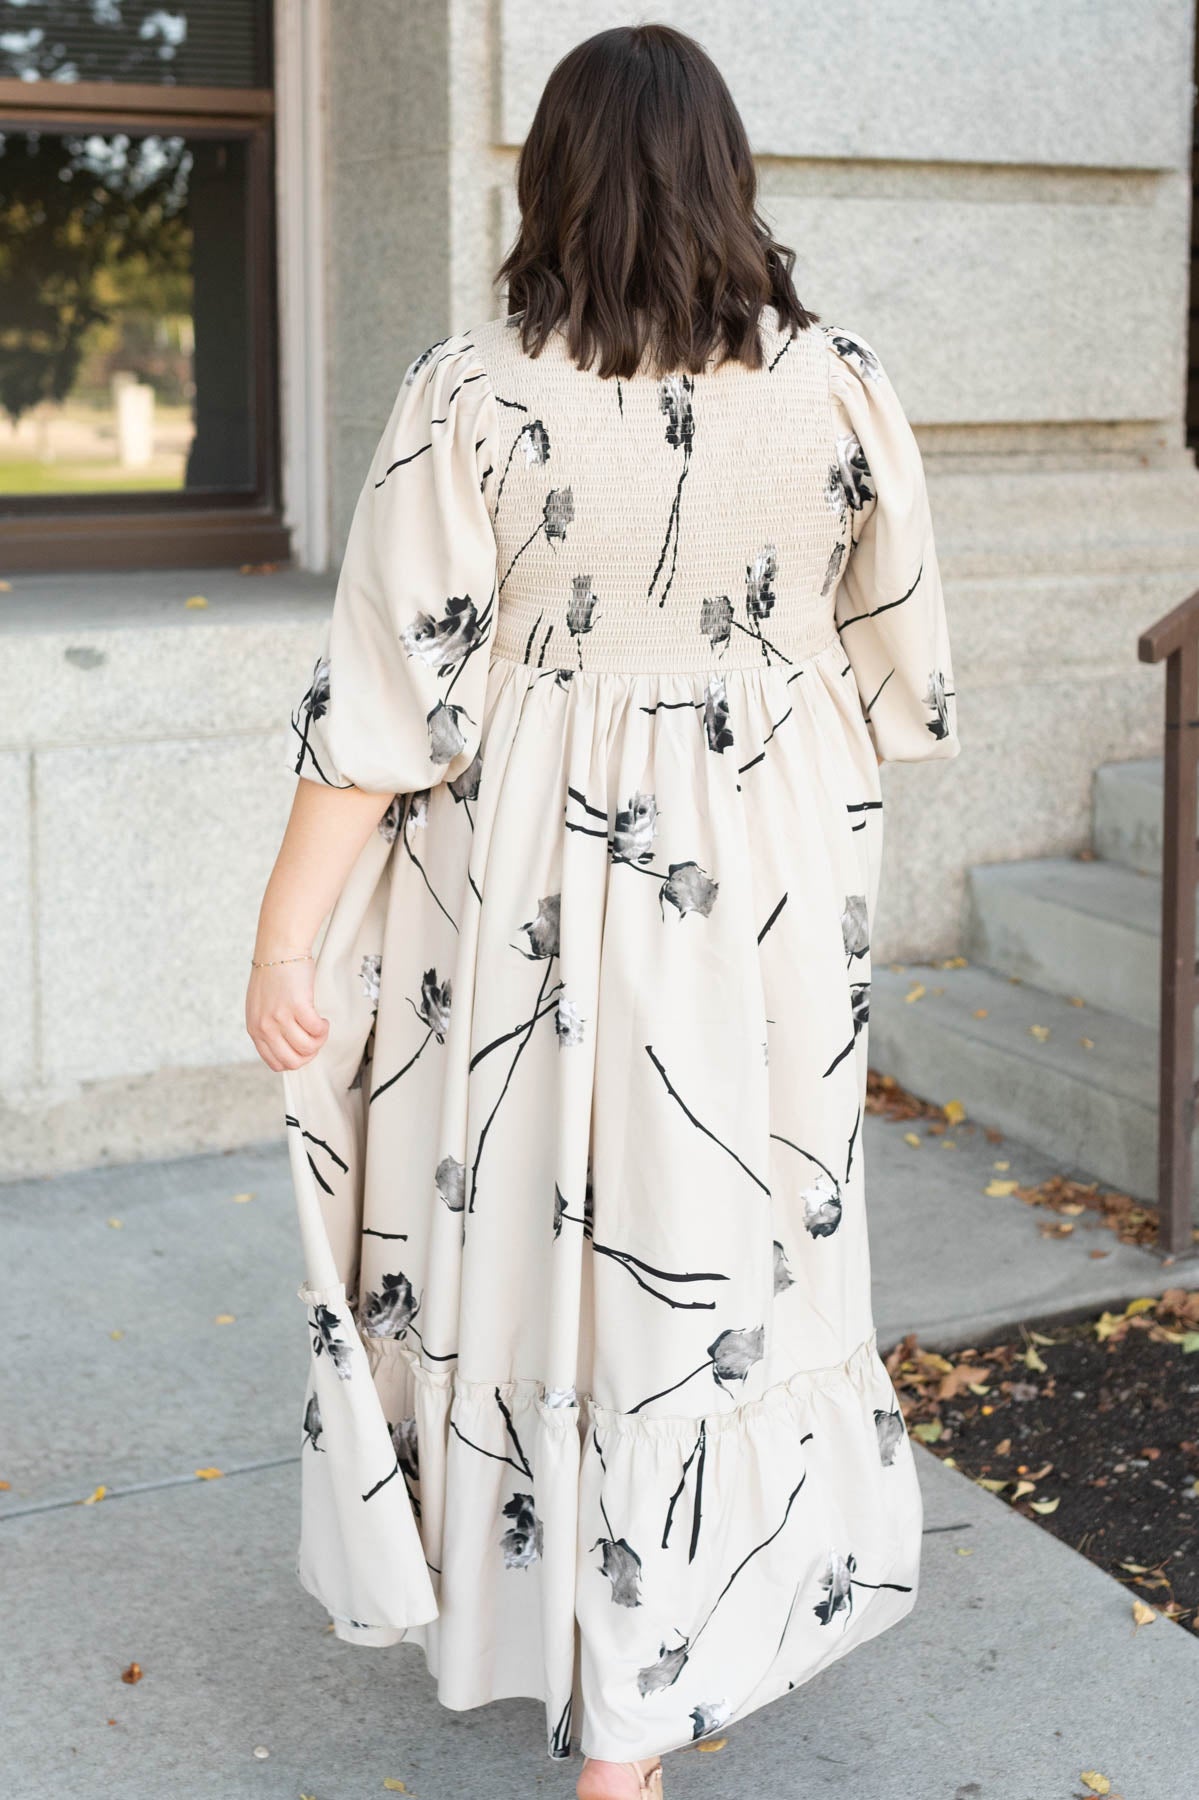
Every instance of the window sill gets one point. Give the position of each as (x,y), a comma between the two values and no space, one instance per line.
(45,541)
(111,658)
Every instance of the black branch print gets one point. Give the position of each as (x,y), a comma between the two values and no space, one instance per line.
(632,1264)
(696,1455)
(759,591)
(698,1123)
(559,1743)
(631,837)
(675,400)
(402,462)
(859,1007)
(773,916)
(313,707)
(543,932)
(731,1356)
(557,513)
(533,443)
(339,1162)
(417,819)
(886,606)
(671,1660)
(519,1460)
(839,1581)
(433,1011)
(822,1201)
(651,1279)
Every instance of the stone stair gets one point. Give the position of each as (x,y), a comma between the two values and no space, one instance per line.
(1069,946)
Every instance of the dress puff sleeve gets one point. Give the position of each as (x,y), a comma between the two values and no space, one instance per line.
(889,609)
(395,702)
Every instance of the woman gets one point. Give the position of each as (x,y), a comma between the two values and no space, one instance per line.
(640,588)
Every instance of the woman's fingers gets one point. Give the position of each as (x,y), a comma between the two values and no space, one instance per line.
(278,1053)
(296,1038)
(310,1020)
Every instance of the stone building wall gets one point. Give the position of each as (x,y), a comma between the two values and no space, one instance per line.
(996,196)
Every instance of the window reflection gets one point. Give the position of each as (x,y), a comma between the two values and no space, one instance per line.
(125,359)
(201,43)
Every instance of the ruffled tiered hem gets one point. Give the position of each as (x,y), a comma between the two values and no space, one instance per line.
(602,1562)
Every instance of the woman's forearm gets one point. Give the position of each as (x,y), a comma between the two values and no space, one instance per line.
(326,830)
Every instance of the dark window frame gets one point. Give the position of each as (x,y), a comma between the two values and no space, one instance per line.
(50,532)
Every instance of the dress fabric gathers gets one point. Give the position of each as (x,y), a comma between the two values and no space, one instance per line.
(596,1413)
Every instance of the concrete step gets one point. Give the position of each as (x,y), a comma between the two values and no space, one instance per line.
(1071,926)
(1126,805)
(969,1039)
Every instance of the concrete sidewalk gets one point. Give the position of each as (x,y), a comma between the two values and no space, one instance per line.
(1018,1669)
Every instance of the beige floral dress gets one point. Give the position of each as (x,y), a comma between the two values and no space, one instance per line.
(596,1412)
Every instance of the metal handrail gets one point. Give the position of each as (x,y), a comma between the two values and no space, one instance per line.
(1175,638)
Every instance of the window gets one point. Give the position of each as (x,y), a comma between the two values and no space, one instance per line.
(137,380)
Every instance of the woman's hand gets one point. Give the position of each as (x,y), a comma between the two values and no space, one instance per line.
(327,829)
(281,1018)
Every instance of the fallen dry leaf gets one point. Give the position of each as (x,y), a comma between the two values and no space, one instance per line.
(954,1111)
(96,1495)
(394,1786)
(1098,1784)
(998,1189)
(225,1319)
(980,1012)
(1040,1032)
(910,1137)
(1045,1506)
(209,1474)
(240,1199)
(194,601)
(116,1224)
(713,1744)
(916,991)
(132,1674)
(1142,1614)
(116,1335)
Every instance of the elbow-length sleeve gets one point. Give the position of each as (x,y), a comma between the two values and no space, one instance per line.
(889,609)
(395,701)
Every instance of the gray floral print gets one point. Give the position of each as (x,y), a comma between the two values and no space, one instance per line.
(522,1542)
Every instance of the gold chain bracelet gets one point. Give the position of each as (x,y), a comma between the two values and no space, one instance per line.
(307,957)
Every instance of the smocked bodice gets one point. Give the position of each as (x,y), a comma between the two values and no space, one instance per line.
(647,524)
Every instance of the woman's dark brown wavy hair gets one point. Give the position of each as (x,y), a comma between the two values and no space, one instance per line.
(640,235)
